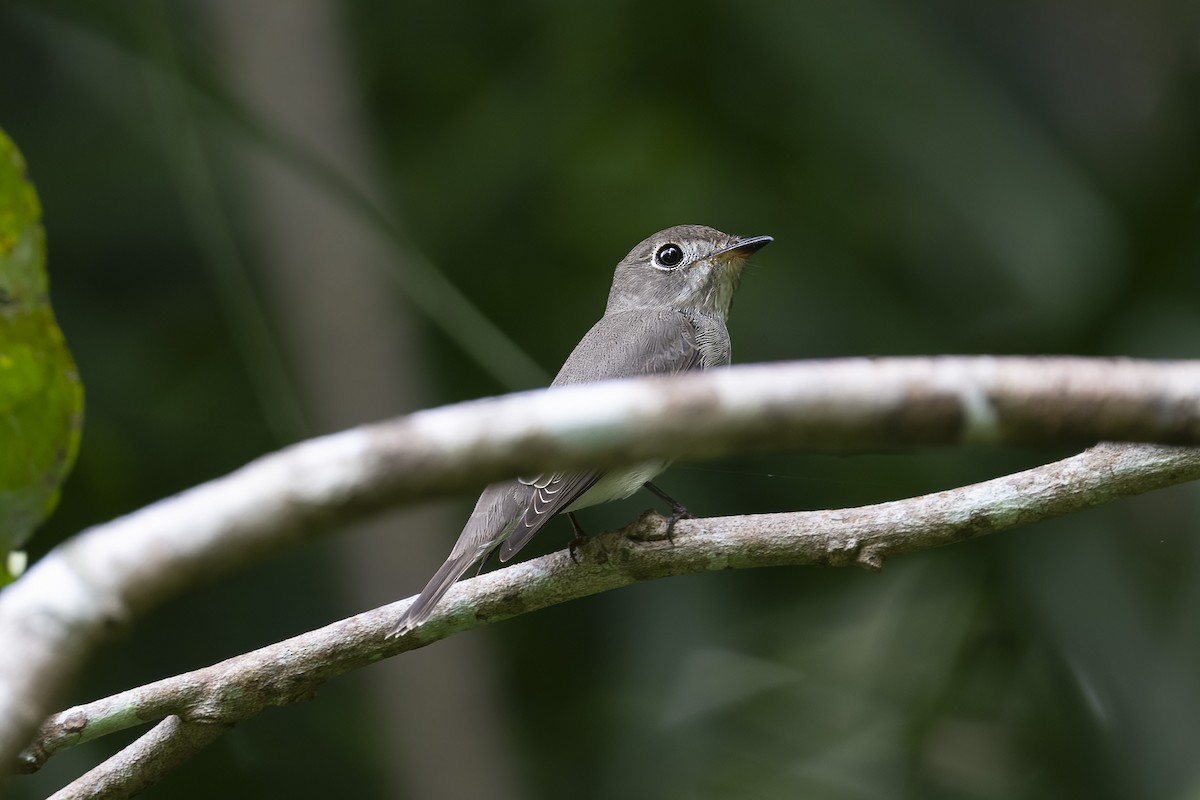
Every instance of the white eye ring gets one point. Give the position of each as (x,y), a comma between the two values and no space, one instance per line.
(669,257)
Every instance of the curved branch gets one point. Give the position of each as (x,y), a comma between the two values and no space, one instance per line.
(291,670)
(143,763)
(69,601)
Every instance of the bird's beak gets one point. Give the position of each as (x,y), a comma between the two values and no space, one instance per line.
(746,245)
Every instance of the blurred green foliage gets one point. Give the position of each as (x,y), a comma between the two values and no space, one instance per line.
(940,177)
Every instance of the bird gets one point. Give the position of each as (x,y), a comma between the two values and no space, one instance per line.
(666,314)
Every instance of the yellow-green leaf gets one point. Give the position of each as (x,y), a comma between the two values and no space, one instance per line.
(41,397)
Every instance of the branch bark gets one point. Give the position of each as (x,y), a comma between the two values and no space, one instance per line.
(65,605)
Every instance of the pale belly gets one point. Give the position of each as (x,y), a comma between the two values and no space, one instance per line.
(619,484)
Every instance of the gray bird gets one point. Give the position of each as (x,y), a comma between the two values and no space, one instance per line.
(666,313)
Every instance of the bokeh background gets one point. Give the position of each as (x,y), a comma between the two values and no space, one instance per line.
(276,218)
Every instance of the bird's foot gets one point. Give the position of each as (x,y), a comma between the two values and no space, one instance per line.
(678,510)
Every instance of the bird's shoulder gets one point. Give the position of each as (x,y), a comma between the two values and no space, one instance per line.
(628,343)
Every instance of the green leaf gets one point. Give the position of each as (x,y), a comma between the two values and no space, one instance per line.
(41,397)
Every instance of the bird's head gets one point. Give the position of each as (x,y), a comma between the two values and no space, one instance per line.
(685,267)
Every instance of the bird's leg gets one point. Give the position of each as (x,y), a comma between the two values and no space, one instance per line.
(483,561)
(678,510)
(580,536)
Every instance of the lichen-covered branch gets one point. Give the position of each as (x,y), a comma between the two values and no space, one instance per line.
(236,689)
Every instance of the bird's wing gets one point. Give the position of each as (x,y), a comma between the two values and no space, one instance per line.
(618,346)
(551,494)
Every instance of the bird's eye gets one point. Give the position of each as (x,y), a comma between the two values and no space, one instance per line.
(669,255)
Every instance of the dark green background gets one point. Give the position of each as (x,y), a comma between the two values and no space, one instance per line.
(940,177)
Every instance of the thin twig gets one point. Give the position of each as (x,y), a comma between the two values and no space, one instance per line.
(143,763)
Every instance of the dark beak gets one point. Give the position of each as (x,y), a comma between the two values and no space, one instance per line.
(747,245)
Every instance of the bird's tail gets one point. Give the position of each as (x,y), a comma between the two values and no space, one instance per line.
(438,585)
(493,518)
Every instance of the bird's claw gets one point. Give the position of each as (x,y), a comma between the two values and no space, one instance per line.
(581,538)
(677,514)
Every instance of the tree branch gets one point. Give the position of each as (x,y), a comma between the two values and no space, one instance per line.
(68,602)
(143,763)
(292,670)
